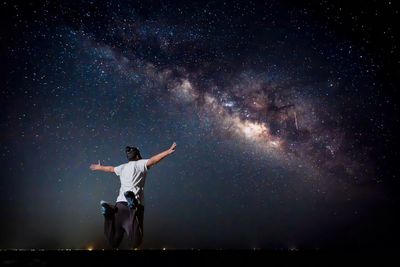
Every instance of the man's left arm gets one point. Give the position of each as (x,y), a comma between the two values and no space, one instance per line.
(99,167)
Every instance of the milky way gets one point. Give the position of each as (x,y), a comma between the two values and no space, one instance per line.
(275,116)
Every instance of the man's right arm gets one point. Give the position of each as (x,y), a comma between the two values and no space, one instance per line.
(157,158)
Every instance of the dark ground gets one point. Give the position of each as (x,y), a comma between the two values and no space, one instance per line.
(197,258)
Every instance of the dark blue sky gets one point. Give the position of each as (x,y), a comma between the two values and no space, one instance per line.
(283,113)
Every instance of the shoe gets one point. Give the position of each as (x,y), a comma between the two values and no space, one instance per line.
(131,199)
(106,209)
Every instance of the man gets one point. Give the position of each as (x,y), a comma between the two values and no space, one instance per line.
(126,216)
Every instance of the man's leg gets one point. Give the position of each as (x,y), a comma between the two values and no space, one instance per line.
(134,226)
(112,226)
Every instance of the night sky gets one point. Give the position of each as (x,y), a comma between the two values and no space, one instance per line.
(284,114)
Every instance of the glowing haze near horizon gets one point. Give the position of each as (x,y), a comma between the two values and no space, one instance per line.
(276,117)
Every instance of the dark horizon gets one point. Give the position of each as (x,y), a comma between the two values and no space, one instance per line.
(284,112)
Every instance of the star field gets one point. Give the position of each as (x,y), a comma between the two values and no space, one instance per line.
(283,112)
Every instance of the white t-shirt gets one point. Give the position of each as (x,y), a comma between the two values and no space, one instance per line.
(132,176)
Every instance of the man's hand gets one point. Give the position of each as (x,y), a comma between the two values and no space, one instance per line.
(95,167)
(172,148)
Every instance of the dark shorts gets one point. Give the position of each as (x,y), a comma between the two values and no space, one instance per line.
(124,220)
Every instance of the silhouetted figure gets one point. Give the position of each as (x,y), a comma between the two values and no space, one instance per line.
(126,216)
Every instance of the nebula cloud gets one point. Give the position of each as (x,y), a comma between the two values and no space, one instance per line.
(273,116)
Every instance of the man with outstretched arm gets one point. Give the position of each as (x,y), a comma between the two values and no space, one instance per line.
(126,216)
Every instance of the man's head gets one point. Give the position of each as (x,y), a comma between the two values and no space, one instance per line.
(132,153)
